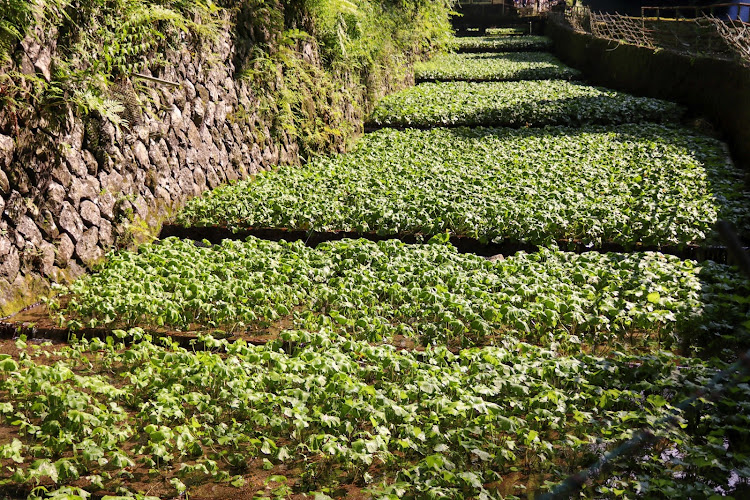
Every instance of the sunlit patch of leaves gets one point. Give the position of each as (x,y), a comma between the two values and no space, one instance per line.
(631,184)
(429,293)
(491,66)
(517,104)
(502,43)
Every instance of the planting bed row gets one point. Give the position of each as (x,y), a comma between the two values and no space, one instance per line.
(336,417)
(494,66)
(512,31)
(630,185)
(502,43)
(516,104)
(429,294)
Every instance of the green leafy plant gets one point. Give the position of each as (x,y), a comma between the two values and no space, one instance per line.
(494,66)
(631,184)
(426,294)
(518,104)
(408,424)
(516,31)
(501,43)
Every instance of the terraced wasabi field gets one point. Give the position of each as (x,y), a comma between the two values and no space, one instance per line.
(429,294)
(364,369)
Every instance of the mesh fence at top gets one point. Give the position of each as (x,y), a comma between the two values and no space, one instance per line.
(703,35)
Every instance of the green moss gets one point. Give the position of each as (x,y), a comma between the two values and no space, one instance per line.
(320,104)
(17,296)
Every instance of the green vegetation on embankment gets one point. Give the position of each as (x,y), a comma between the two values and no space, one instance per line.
(95,46)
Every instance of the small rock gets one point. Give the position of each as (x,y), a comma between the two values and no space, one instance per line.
(90,213)
(105,233)
(212,178)
(47,224)
(199,112)
(107,205)
(107,133)
(31,45)
(209,118)
(62,175)
(28,229)
(141,207)
(5,245)
(7,148)
(47,258)
(185,180)
(496,258)
(21,179)
(190,92)
(112,182)
(175,117)
(202,92)
(10,265)
(88,249)
(220,112)
(178,97)
(162,194)
(65,249)
(143,132)
(91,164)
(43,63)
(71,222)
(155,98)
(76,132)
(200,179)
(74,270)
(87,188)
(141,154)
(157,156)
(26,65)
(232,174)
(55,196)
(15,207)
(75,164)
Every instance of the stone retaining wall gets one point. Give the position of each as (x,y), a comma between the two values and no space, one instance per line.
(73,190)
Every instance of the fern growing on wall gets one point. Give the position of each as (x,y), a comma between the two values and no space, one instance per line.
(98,43)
